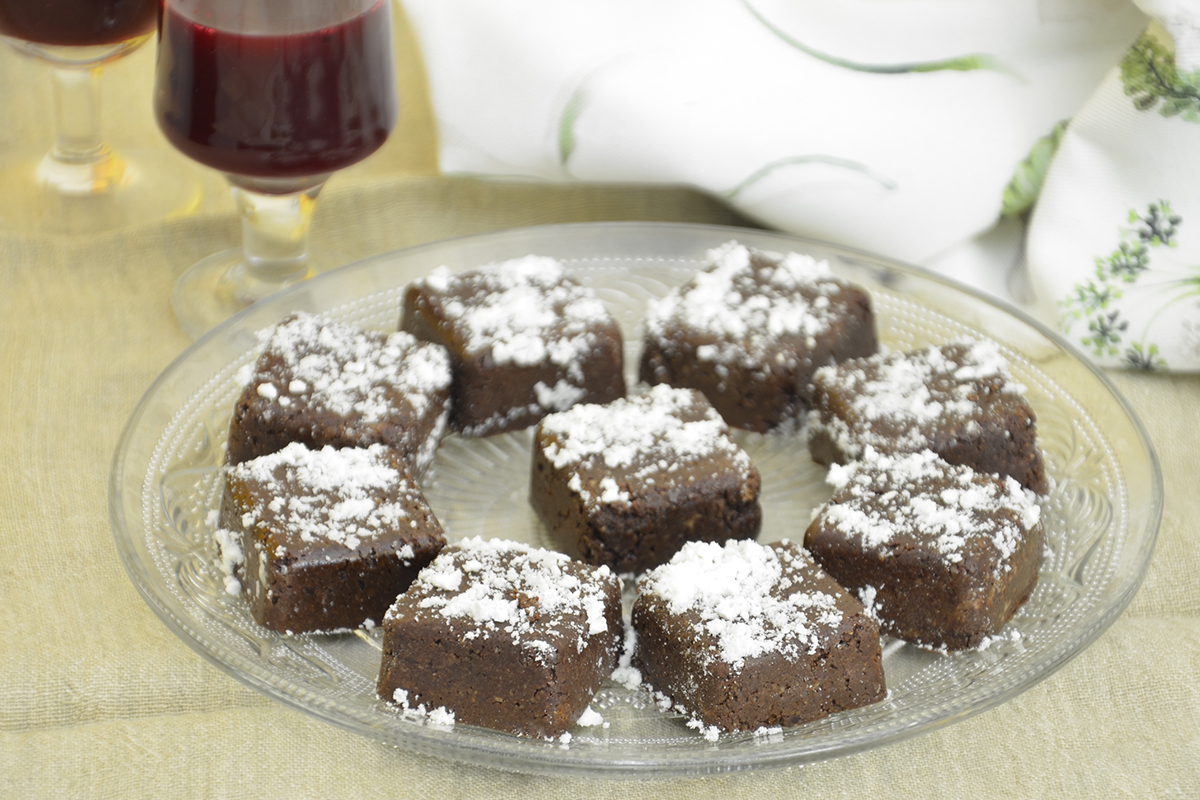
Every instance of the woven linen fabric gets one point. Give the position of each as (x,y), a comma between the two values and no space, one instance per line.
(100,700)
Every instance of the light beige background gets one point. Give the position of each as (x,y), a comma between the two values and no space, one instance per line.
(99,699)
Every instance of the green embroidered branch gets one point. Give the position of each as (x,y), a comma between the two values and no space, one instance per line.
(1183,288)
(1150,77)
(834,161)
(1146,359)
(965,63)
(1126,263)
(1090,298)
(1106,330)
(1159,226)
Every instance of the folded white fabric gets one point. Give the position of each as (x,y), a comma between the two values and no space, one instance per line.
(1114,245)
(904,127)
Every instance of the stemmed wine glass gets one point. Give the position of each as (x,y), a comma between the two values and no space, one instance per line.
(278,95)
(81,185)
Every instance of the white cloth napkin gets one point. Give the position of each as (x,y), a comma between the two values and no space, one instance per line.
(1114,247)
(911,128)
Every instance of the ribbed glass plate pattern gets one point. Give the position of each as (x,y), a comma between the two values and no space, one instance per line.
(1101,516)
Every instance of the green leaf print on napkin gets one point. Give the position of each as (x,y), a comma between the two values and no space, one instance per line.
(566,126)
(965,63)
(832,161)
(1151,79)
(567,141)
(1026,184)
(1117,273)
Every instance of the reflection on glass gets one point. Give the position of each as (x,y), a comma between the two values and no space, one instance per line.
(82,185)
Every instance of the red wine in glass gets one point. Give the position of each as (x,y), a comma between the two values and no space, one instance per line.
(72,23)
(278,95)
(277,106)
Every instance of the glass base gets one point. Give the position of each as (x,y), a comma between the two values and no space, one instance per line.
(218,287)
(43,196)
(78,56)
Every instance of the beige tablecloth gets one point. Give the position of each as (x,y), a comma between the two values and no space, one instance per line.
(99,699)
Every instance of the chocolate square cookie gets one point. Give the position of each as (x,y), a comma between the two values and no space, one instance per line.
(750,330)
(943,555)
(744,635)
(328,537)
(504,636)
(627,483)
(957,400)
(525,339)
(324,383)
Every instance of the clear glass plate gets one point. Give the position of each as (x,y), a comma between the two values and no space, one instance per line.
(1101,517)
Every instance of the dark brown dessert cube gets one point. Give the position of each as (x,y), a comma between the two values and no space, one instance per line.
(942,555)
(524,338)
(957,400)
(329,537)
(504,636)
(745,635)
(626,484)
(750,330)
(323,383)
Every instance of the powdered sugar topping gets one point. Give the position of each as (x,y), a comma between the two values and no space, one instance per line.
(439,717)
(746,302)
(350,372)
(747,596)
(342,496)
(525,311)
(662,430)
(908,391)
(496,587)
(918,495)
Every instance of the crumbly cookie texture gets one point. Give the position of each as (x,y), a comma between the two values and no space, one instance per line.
(627,483)
(743,636)
(525,339)
(324,383)
(944,556)
(958,400)
(327,538)
(750,329)
(503,635)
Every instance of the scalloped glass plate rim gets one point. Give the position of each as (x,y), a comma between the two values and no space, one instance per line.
(543,760)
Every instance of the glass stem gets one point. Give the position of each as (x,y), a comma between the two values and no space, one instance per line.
(80,163)
(274,240)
